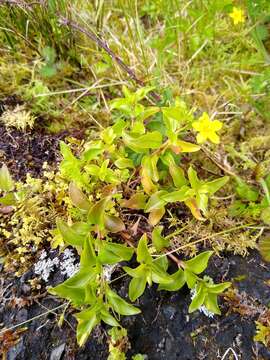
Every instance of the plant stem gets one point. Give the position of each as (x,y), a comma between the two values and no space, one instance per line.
(102,44)
(33,318)
(205,238)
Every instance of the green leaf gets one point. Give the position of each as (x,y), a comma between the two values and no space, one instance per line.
(149,164)
(6,182)
(180,146)
(81,278)
(199,263)
(215,185)
(124,163)
(162,262)
(137,201)
(70,236)
(151,140)
(97,212)
(76,296)
(70,165)
(245,191)
(218,288)
(108,135)
(190,278)
(138,272)
(211,303)
(108,318)
(119,126)
(198,300)
(176,172)
(120,305)
(192,205)
(159,241)
(91,291)
(88,257)
(172,118)
(180,195)
(193,179)
(156,201)
(78,198)
(149,111)
(202,201)
(177,175)
(112,253)
(177,282)
(138,127)
(159,276)
(142,92)
(155,216)
(113,223)
(92,153)
(136,287)
(49,55)
(87,320)
(48,71)
(139,357)
(143,254)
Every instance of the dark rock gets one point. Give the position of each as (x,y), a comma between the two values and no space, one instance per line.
(169,312)
(26,289)
(21,315)
(57,352)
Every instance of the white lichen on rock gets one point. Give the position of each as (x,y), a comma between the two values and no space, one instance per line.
(69,265)
(108,271)
(45,266)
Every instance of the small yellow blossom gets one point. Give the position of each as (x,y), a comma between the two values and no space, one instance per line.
(237,15)
(207,129)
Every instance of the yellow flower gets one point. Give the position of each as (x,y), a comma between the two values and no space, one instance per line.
(207,129)
(237,15)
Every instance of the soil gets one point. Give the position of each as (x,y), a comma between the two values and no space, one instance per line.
(164,329)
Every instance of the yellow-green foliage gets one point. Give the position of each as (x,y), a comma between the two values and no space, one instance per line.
(262,333)
(19,117)
(28,227)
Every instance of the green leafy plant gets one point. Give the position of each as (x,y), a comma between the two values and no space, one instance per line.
(7,187)
(251,201)
(144,146)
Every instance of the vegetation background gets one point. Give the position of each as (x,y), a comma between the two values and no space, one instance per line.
(71,72)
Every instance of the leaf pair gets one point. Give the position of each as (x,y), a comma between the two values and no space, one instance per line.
(147,272)
(188,275)
(90,317)
(206,295)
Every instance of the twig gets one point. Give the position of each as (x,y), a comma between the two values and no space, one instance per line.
(33,318)
(204,238)
(20,4)
(222,167)
(102,44)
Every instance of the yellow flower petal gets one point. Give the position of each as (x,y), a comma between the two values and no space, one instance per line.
(196,125)
(204,117)
(237,15)
(217,125)
(200,138)
(207,129)
(214,138)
